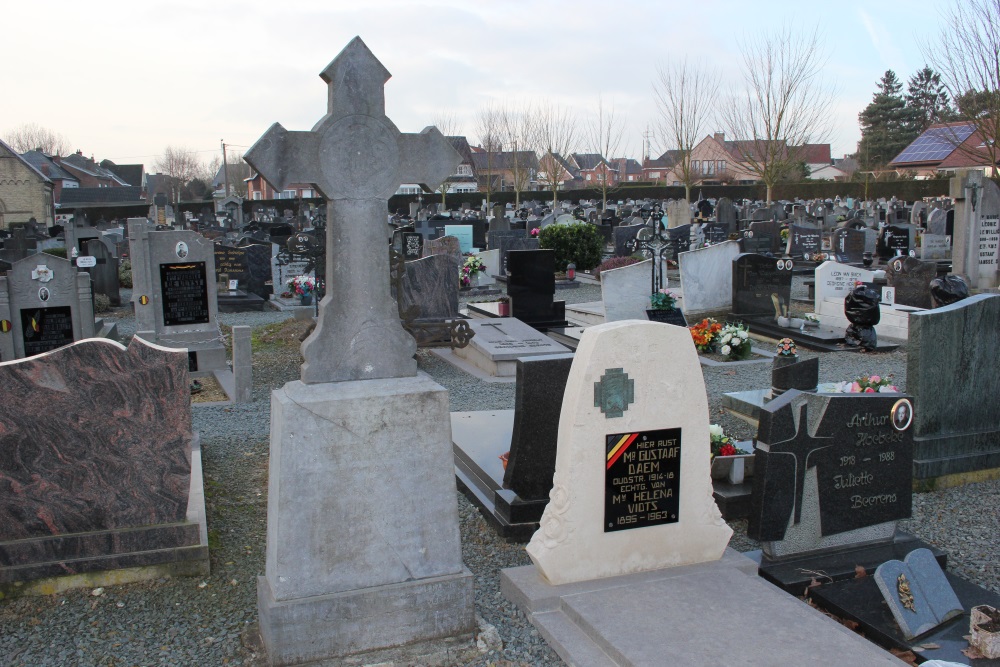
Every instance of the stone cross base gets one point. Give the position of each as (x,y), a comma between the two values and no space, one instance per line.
(363,546)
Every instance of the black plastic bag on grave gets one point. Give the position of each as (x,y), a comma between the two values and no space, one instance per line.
(862,336)
(861,306)
(947,290)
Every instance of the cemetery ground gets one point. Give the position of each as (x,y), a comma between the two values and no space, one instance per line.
(211,620)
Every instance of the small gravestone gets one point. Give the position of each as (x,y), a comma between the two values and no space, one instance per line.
(911,279)
(104,272)
(917,592)
(893,241)
(232,262)
(45,303)
(763,237)
(446,245)
(531,286)
(936,219)
(625,291)
(678,213)
(464,234)
(714,233)
(706,278)
(631,490)
(678,241)
(849,245)
(502,241)
(515,243)
(804,241)
(725,215)
(623,237)
(430,286)
(758,282)
(933,247)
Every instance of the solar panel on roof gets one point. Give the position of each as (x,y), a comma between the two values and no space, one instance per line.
(936,143)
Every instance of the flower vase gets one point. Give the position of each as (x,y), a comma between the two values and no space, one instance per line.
(504,308)
(306,299)
(733,469)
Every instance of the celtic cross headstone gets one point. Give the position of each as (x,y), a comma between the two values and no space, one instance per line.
(357,158)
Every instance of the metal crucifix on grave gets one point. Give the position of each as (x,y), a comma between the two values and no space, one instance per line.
(357,158)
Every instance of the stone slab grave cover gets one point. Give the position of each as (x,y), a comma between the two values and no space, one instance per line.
(758,282)
(45,303)
(625,291)
(349,571)
(911,280)
(976,229)
(97,456)
(512,498)
(175,294)
(917,592)
(707,279)
(831,470)
(951,366)
(531,286)
(632,488)
(497,344)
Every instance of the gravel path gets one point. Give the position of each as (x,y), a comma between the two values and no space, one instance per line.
(186,621)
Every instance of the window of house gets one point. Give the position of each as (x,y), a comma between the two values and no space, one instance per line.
(588,177)
(709,167)
(721,166)
(654,174)
(464,170)
(307,193)
(256,195)
(287,194)
(696,166)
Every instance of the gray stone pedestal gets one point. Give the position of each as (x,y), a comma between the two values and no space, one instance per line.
(363,548)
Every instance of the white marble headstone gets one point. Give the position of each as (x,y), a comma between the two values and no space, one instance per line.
(836,280)
(625,291)
(707,278)
(630,379)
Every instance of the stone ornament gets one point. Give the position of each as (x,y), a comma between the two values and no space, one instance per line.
(614,393)
(41,273)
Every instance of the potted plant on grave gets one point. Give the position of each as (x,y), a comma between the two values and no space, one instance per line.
(735,342)
(705,334)
(504,305)
(468,274)
(729,462)
(663,308)
(303,287)
(866,384)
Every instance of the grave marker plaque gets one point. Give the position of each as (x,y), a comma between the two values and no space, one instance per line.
(805,241)
(849,245)
(46,329)
(413,246)
(185,294)
(642,479)
(232,262)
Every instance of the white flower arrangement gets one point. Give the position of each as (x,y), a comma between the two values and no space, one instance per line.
(735,339)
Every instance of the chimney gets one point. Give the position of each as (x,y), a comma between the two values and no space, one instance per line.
(720,137)
(79,152)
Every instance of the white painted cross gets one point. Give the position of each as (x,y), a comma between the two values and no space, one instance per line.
(357,159)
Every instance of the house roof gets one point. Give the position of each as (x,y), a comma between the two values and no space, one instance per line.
(130,173)
(668,160)
(5,148)
(815,153)
(88,166)
(128,193)
(971,153)
(46,165)
(505,160)
(238,171)
(938,143)
(627,165)
(588,160)
(745,150)
(461,146)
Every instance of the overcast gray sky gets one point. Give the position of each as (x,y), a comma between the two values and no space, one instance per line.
(124,79)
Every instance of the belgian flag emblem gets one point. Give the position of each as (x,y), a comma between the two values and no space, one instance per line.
(143,300)
(4,326)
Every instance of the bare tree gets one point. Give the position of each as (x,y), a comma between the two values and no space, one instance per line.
(180,165)
(967,55)
(783,105)
(556,137)
(684,96)
(31,136)
(448,124)
(488,127)
(519,129)
(604,137)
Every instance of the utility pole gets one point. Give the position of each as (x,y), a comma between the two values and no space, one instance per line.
(225,165)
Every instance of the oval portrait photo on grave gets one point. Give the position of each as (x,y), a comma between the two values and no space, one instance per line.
(181,249)
(902,414)
(43,294)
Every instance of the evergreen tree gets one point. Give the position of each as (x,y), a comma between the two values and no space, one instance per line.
(927,98)
(887,125)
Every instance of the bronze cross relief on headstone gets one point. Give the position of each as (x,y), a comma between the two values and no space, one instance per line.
(357,158)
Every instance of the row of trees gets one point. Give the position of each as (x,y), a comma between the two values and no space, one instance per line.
(513,136)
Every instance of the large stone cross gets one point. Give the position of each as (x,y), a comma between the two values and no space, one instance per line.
(357,159)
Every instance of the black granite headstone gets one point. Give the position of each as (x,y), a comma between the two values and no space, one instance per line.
(531,286)
(805,241)
(854,451)
(232,262)
(893,241)
(849,245)
(104,273)
(757,232)
(623,237)
(755,279)
(46,329)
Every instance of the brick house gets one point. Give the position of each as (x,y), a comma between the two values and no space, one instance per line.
(61,179)
(89,173)
(944,147)
(258,188)
(25,192)
(505,168)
